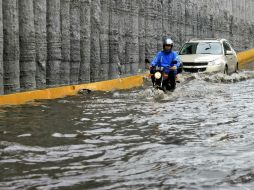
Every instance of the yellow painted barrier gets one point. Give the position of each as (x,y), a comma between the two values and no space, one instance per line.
(60,92)
(245,56)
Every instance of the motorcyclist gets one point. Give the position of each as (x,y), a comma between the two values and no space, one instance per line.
(169,60)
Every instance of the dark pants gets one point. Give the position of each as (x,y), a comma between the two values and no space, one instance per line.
(171,80)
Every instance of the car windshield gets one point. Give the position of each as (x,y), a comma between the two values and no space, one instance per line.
(213,48)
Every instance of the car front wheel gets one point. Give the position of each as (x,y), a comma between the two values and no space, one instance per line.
(236,68)
(226,70)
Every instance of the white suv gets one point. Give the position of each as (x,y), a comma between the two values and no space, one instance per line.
(208,55)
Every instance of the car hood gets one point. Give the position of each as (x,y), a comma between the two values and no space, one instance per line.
(199,58)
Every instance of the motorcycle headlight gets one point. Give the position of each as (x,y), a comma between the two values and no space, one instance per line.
(157,75)
(216,62)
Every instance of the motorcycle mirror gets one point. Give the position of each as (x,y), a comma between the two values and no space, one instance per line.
(147,63)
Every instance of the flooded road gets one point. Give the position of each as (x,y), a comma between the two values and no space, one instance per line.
(198,137)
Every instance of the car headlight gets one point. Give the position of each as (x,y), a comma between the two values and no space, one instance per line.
(217,62)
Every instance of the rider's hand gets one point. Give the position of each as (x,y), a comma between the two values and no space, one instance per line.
(173,68)
(152,69)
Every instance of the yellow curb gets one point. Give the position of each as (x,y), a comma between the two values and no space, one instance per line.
(245,56)
(60,92)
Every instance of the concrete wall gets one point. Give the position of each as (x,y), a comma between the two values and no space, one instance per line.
(47,43)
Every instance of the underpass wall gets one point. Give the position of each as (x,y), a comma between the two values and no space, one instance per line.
(45,43)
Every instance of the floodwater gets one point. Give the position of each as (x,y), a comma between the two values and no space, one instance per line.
(198,137)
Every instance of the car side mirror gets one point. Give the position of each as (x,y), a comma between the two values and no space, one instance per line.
(229,52)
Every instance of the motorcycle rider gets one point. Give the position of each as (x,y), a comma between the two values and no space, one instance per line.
(169,60)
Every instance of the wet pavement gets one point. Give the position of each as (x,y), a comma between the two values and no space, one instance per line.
(198,137)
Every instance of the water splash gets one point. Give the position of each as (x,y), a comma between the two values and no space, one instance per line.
(222,78)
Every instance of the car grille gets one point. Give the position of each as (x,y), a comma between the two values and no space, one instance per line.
(195,64)
(194,70)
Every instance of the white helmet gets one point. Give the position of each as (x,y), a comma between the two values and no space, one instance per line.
(167,41)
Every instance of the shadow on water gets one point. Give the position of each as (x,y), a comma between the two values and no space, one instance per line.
(198,137)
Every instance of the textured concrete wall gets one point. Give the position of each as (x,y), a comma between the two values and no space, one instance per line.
(40,28)
(1,51)
(59,42)
(54,42)
(85,41)
(27,45)
(66,43)
(11,47)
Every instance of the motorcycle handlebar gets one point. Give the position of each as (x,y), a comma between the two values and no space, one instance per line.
(161,68)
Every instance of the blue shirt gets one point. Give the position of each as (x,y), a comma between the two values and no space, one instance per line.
(166,59)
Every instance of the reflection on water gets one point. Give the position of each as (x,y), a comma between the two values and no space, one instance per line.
(198,137)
